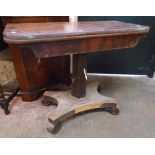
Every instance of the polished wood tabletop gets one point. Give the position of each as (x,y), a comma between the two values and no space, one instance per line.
(53,31)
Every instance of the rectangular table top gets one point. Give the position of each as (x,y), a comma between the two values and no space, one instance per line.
(43,32)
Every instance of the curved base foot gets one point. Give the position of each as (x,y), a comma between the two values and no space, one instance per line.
(47,101)
(114,110)
(54,129)
(68,106)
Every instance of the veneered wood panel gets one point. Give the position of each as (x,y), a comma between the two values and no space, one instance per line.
(44,32)
(34,77)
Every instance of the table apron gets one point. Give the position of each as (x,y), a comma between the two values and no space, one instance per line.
(67,47)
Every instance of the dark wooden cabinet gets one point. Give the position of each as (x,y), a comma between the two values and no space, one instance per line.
(1,30)
(34,19)
(2,44)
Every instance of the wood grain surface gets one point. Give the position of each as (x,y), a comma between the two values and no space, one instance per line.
(33,76)
(51,31)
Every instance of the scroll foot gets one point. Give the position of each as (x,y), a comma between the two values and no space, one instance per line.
(114,110)
(54,129)
(47,101)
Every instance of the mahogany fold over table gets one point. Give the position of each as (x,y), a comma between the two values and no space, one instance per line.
(58,39)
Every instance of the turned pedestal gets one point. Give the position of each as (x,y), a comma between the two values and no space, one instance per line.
(82,98)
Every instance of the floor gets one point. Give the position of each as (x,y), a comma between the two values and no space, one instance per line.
(136,96)
(7,71)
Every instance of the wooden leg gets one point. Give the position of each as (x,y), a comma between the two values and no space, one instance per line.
(79,79)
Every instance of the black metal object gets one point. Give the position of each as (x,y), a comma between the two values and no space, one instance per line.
(138,60)
(4,102)
(3,45)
